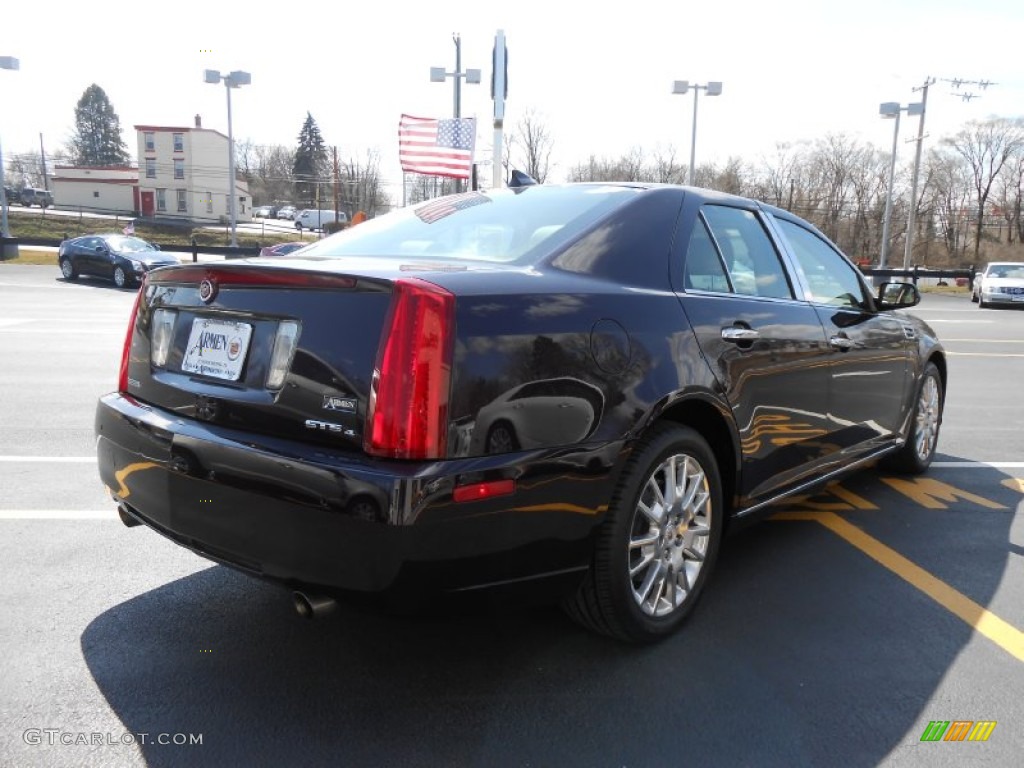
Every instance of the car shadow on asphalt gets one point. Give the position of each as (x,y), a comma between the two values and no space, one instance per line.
(802,649)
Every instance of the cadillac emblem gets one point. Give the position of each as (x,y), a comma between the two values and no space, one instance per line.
(207,290)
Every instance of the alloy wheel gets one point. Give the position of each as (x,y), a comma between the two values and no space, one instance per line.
(670,535)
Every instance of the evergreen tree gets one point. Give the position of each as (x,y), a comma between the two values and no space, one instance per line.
(97,138)
(310,161)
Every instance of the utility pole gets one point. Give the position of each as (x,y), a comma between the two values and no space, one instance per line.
(928,82)
(337,173)
(42,156)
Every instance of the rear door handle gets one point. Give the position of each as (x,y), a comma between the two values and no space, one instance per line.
(738,335)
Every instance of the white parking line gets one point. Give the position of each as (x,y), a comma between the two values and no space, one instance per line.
(48,459)
(58,514)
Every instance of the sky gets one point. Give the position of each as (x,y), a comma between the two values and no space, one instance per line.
(598,76)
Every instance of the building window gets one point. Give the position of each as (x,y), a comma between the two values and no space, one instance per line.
(179,142)
(209,201)
(182,201)
(179,168)
(150,167)
(161,200)
(95,194)
(149,141)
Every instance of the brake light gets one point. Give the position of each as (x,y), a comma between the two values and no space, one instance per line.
(408,410)
(122,377)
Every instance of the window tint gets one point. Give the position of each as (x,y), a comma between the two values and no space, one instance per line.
(750,258)
(831,279)
(703,270)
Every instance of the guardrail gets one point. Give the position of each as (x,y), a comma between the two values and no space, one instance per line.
(922,273)
(228,252)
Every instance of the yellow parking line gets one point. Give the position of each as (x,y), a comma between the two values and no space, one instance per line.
(1000,632)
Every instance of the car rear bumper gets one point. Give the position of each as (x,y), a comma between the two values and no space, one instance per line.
(311,517)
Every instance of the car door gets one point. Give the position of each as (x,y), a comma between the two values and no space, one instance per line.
(86,257)
(870,350)
(767,348)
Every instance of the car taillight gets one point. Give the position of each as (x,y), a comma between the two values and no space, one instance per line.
(122,378)
(408,411)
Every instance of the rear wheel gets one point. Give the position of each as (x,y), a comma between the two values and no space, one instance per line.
(68,269)
(657,546)
(917,453)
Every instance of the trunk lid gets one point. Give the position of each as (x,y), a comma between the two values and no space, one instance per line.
(287,350)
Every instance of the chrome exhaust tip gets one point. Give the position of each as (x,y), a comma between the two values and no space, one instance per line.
(312,606)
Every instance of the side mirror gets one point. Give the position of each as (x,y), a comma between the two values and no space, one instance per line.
(898,296)
(156,246)
(101,249)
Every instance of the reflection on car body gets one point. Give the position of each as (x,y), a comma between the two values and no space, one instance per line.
(548,412)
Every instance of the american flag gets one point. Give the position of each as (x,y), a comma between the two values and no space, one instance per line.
(130,229)
(437,147)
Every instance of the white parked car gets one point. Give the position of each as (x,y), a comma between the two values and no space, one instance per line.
(1002,282)
(287,212)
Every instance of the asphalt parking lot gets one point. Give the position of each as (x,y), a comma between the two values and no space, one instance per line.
(832,634)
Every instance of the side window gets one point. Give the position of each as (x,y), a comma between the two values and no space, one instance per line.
(831,278)
(750,257)
(703,270)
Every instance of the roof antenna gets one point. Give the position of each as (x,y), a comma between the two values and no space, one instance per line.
(520,179)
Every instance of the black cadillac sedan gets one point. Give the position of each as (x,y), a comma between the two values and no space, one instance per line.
(125,259)
(572,389)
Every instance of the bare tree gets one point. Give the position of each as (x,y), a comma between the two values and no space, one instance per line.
(986,147)
(665,169)
(532,144)
(361,187)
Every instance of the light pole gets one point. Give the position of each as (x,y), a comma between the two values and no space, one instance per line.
(6,62)
(234,79)
(713,88)
(439,75)
(892,109)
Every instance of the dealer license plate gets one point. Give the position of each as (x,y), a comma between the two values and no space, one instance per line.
(217,348)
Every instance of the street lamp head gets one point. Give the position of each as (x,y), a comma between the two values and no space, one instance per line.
(681,86)
(889,109)
(473,76)
(714,88)
(239,78)
(211,76)
(437,74)
(9,62)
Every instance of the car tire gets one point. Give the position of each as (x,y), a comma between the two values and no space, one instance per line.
(917,453)
(68,269)
(501,438)
(121,279)
(651,563)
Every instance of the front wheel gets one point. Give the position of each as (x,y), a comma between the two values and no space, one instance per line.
(917,453)
(68,269)
(657,546)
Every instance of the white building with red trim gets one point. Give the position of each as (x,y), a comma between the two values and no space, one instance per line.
(183,173)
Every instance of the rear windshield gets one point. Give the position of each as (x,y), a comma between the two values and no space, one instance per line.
(499,226)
